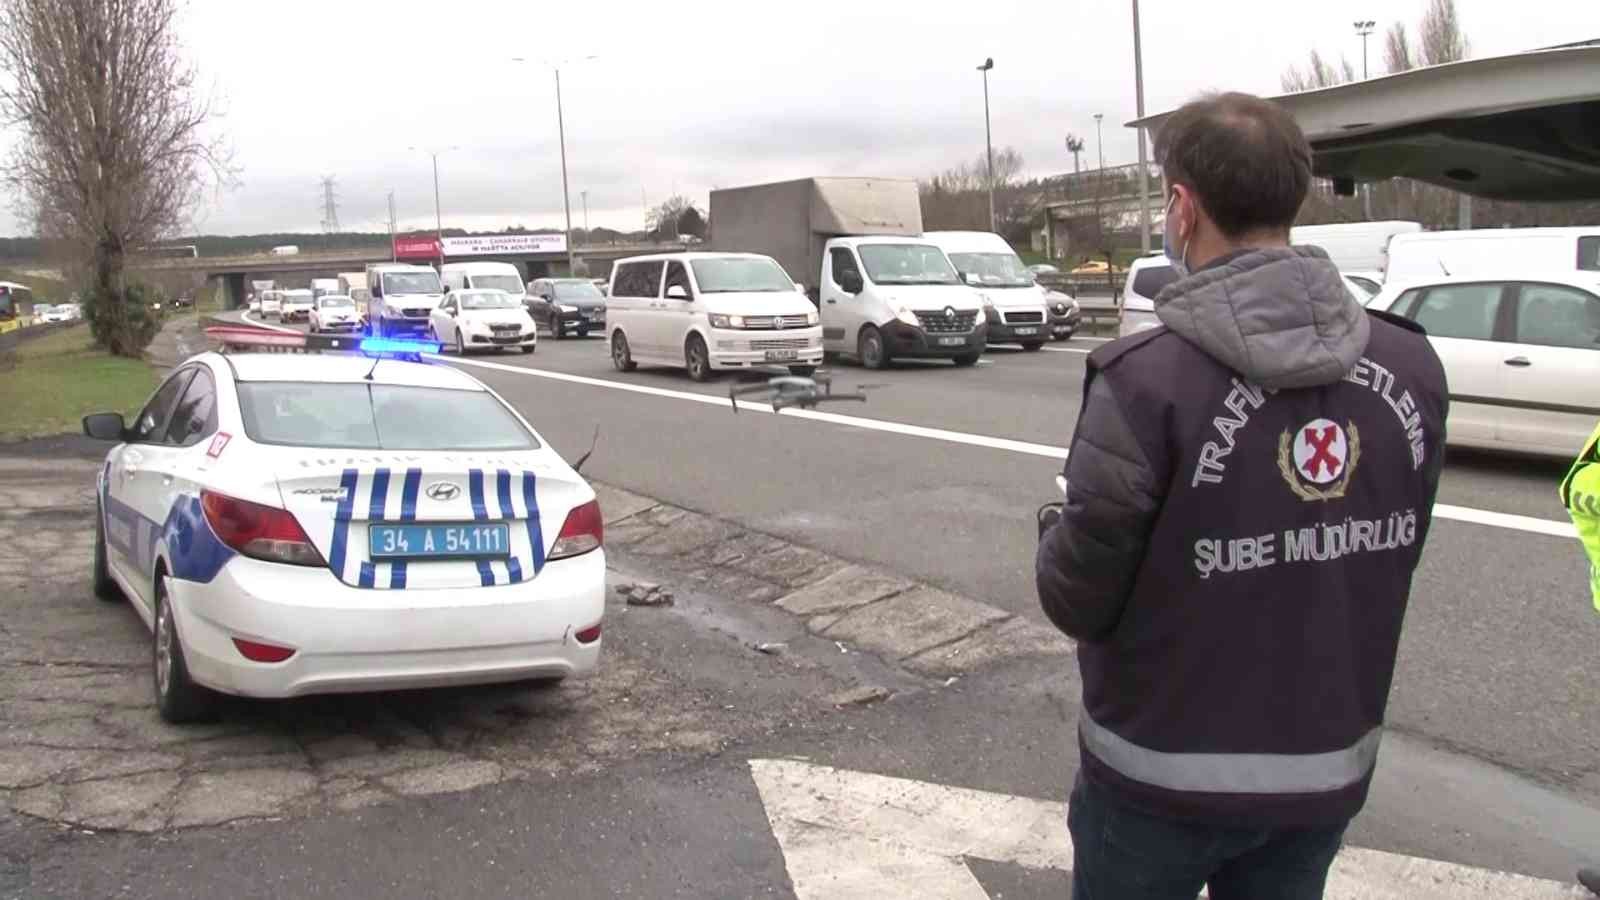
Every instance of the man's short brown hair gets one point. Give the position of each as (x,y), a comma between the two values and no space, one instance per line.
(1246,158)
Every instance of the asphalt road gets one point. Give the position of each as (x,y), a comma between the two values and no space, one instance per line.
(1490,761)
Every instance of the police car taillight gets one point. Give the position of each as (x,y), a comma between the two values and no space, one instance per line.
(583,531)
(263,532)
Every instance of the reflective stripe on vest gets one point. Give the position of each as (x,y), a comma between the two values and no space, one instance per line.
(1232,773)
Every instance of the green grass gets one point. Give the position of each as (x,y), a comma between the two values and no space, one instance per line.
(48,384)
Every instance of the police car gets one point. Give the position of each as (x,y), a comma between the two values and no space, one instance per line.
(292,524)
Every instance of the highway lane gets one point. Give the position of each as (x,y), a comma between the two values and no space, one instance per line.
(1496,659)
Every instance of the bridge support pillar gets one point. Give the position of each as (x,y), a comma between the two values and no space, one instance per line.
(233,290)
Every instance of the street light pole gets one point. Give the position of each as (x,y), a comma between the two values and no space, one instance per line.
(585,196)
(1144,166)
(1100,141)
(988,140)
(438,217)
(566,198)
(1364,28)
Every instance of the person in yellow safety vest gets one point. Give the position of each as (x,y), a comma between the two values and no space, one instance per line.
(1580,494)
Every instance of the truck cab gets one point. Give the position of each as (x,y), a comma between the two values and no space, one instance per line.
(1014,304)
(884,296)
(401,298)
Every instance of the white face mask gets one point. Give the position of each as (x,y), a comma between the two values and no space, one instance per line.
(1179,265)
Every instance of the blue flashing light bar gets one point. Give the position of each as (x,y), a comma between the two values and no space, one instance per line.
(397,345)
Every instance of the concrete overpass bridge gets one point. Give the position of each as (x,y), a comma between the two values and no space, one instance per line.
(233,273)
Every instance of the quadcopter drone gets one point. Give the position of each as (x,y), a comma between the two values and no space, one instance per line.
(794,391)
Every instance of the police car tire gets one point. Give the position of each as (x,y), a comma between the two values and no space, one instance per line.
(105,587)
(183,701)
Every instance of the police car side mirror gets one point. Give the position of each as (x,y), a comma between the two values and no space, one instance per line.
(105,426)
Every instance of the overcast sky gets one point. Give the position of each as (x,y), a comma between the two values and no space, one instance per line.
(685,97)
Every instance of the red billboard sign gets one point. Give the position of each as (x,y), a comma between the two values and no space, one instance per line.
(420,248)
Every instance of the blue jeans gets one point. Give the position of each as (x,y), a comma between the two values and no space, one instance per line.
(1120,853)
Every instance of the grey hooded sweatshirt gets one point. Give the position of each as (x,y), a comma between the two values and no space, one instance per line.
(1248,490)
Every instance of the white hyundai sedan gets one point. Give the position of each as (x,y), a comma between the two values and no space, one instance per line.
(1521,352)
(292,524)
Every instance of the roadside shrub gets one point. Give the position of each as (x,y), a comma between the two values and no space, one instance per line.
(122,322)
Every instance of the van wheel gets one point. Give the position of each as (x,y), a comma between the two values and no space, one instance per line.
(870,349)
(802,371)
(178,698)
(104,586)
(1032,346)
(967,359)
(697,359)
(621,356)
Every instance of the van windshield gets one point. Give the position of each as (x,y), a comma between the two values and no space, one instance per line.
(993,269)
(411,283)
(511,284)
(906,264)
(738,275)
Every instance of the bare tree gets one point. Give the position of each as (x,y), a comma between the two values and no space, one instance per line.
(112,148)
(1075,146)
(1440,34)
(662,220)
(1397,53)
(1318,73)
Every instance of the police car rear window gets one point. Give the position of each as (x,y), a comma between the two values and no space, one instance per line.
(378,417)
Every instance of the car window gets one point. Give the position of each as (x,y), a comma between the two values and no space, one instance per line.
(378,417)
(1589,253)
(842,262)
(195,416)
(638,279)
(677,276)
(1402,304)
(1555,316)
(151,426)
(1459,311)
(1149,280)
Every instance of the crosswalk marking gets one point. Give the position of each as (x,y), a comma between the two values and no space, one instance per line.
(859,836)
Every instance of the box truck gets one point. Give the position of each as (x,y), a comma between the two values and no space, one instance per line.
(855,245)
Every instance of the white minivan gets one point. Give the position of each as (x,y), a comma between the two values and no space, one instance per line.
(480,276)
(1354,246)
(1013,304)
(707,311)
(1431,254)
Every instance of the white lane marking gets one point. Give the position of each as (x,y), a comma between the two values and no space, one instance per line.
(1490,518)
(847,835)
(1067,349)
(938,434)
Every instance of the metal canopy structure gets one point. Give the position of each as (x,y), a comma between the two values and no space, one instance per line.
(1519,127)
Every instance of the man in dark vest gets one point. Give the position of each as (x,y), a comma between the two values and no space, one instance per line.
(1248,491)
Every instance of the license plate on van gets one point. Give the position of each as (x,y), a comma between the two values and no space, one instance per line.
(780,355)
(1026,331)
(952,342)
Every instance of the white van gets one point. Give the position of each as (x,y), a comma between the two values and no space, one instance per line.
(1354,246)
(476,276)
(401,298)
(354,286)
(708,311)
(1013,304)
(1491,250)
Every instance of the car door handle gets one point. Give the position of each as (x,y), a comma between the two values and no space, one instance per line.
(831,300)
(1520,362)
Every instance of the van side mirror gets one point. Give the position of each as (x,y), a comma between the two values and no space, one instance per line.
(851,283)
(676,292)
(105,426)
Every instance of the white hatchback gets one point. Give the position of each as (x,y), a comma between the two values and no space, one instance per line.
(293,524)
(1521,353)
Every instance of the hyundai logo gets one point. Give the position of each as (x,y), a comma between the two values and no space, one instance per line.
(949,312)
(443,490)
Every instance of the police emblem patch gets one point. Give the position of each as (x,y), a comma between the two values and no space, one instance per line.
(1317,458)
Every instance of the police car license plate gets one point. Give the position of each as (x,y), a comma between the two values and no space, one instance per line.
(775,355)
(475,541)
(952,341)
(1023,331)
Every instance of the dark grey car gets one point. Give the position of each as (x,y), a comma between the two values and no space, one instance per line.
(567,306)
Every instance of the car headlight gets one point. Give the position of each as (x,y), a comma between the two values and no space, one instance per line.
(1060,309)
(905,315)
(983,316)
(721,321)
(812,318)
(565,308)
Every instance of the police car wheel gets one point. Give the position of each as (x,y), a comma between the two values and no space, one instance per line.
(104,586)
(178,698)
